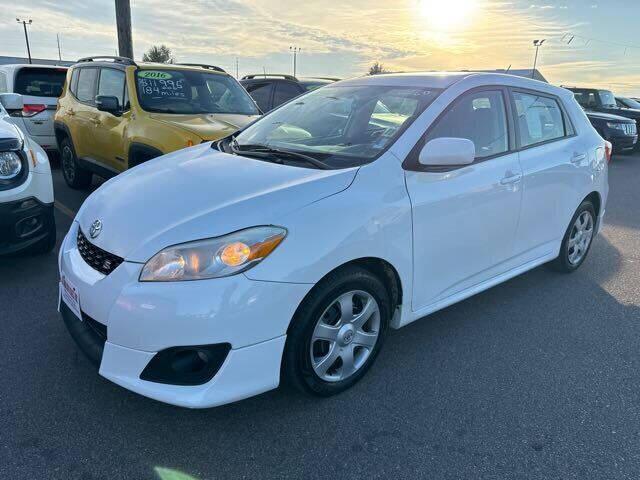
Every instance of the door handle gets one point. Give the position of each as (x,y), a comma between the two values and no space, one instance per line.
(578,157)
(511,178)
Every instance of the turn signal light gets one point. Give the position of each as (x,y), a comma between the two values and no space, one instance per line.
(31,109)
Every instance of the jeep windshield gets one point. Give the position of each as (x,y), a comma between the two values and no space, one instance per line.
(607,99)
(341,126)
(192,92)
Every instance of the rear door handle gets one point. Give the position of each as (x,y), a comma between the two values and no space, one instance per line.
(511,178)
(578,157)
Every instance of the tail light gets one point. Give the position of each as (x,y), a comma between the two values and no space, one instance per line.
(30,109)
(608,150)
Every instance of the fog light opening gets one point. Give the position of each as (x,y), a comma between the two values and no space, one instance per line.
(189,361)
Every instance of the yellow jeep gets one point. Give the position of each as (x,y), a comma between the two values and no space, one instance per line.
(115,113)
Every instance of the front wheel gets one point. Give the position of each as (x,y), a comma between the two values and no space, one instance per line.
(337,332)
(577,239)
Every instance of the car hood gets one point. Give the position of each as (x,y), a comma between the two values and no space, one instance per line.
(199,193)
(210,126)
(628,113)
(607,116)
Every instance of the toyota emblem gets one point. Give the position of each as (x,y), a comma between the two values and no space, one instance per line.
(95,229)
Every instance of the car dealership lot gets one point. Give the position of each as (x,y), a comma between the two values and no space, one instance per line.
(534,378)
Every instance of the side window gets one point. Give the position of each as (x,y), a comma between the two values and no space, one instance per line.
(260,93)
(586,99)
(74,81)
(539,119)
(112,84)
(480,117)
(86,88)
(3,83)
(285,91)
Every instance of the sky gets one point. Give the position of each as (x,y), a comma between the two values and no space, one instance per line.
(588,42)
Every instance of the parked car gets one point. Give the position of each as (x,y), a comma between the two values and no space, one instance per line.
(272,90)
(26,189)
(115,113)
(603,101)
(621,132)
(626,102)
(40,87)
(288,250)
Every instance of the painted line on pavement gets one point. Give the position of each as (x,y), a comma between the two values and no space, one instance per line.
(65,210)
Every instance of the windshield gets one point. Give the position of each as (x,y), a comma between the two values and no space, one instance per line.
(630,103)
(341,125)
(192,92)
(40,82)
(607,98)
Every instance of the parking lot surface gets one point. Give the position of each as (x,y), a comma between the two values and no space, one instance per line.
(535,378)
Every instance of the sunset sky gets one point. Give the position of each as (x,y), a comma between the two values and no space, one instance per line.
(343,38)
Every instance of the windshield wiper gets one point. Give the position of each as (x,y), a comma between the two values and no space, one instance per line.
(270,151)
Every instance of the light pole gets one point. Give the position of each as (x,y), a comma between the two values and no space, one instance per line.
(26,35)
(295,51)
(537,44)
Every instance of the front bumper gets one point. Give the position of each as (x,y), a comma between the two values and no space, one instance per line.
(141,319)
(24,223)
(621,141)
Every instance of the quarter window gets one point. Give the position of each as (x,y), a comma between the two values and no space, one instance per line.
(112,84)
(86,88)
(539,119)
(480,117)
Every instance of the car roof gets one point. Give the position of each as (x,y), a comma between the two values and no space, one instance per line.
(176,66)
(14,66)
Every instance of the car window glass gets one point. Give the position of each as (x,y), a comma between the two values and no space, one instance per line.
(480,117)
(260,93)
(607,98)
(285,91)
(586,99)
(74,82)
(3,83)
(85,90)
(539,118)
(40,82)
(112,84)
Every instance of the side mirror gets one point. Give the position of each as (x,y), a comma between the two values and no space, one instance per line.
(11,101)
(108,103)
(447,152)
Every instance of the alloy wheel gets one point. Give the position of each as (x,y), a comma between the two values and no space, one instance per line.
(580,238)
(68,164)
(345,335)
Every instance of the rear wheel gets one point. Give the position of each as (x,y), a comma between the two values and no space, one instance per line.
(577,239)
(75,176)
(337,332)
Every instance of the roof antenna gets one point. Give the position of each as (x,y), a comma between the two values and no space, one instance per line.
(508,68)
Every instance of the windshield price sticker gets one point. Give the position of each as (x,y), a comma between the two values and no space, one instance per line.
(162,88)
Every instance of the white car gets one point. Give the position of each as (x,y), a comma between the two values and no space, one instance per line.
(26,190)
(40,87)
(207,276)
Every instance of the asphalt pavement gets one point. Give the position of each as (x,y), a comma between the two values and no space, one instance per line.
(536,378)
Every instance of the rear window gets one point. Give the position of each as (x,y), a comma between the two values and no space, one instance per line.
(40,82)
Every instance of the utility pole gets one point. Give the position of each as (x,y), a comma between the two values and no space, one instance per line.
(537,44)
(295,51)
(59,52)
(26,35)
(237,76)
(123,21)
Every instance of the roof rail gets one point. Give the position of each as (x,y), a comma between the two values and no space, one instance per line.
(267,75)
(123,60)
(202,65)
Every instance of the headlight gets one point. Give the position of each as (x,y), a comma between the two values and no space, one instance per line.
(10,165)
(213,258)
(617,126)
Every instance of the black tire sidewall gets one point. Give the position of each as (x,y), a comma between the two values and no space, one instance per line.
(297,362)
(562,262)
(82,177)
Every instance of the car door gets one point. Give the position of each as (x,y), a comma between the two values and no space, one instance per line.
(83,114)
(465,219)
(550,155)
(110,130)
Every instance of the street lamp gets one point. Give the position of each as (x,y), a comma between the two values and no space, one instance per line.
(295,51)
(26,36)
(537,44)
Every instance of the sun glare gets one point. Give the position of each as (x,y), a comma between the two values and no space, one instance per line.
(445,15)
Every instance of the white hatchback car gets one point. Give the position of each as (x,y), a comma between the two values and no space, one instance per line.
(208,275)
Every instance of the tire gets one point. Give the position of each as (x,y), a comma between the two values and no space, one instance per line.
(305,353)
(567,261)
(74,175)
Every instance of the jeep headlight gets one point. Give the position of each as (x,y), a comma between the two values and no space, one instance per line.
(10,165)
(214,257)
(617,126)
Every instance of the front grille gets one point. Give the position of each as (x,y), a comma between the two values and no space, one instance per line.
(98,259)
(630,128)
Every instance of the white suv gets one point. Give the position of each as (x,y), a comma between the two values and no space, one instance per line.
(40,87)
(287,251)
(26,190)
